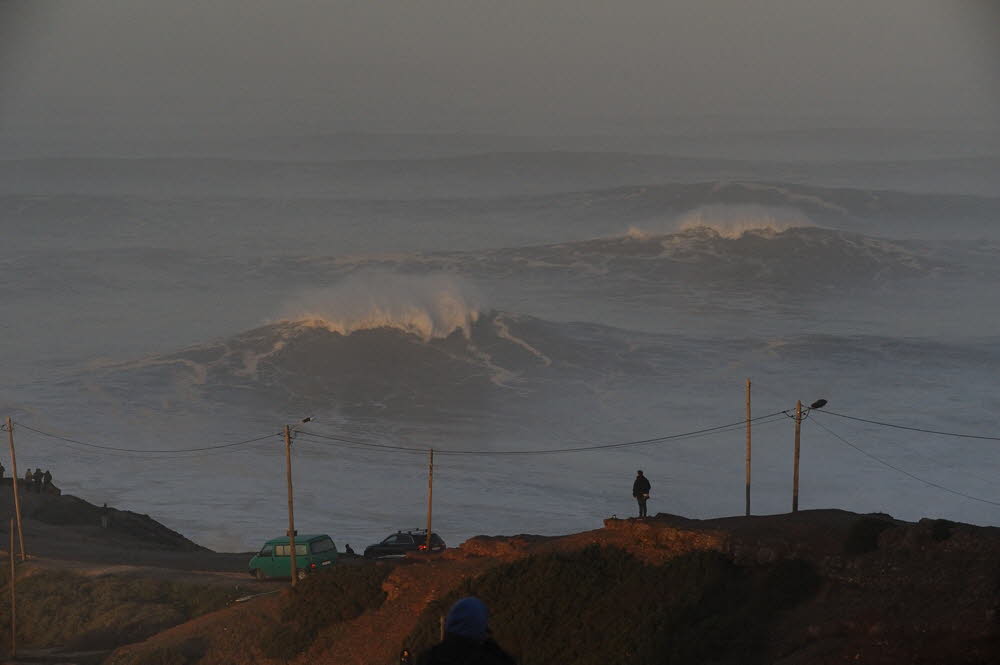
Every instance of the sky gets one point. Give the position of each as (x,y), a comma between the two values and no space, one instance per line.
(517,66)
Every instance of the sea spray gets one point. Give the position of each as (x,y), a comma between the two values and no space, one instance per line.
(428,306)
(733,221)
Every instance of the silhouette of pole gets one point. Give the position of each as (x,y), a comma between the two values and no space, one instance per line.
(795,475)
(430,497)
(17,497)
(13,597)
(748,447)
(291,509)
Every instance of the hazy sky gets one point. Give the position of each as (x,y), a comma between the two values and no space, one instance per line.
(492,65)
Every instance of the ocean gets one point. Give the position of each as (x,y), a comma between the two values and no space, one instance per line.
(502,300)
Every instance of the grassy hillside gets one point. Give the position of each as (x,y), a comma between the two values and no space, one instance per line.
(94,613)
(593,606)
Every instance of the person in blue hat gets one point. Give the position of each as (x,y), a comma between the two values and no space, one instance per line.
(467,638)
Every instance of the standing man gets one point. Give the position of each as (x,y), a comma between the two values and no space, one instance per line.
(640,490)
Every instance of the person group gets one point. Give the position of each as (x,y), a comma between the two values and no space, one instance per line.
(37,481)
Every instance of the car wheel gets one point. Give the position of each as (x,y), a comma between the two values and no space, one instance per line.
(259,574)
(300,574)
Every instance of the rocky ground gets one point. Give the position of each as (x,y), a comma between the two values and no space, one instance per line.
(888,591)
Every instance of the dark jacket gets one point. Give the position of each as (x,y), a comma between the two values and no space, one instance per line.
(640,486)
(458,650)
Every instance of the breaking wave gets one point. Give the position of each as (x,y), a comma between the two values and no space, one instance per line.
(733,221)
(428,306)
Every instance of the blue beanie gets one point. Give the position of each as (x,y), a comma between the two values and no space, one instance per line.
(467,618)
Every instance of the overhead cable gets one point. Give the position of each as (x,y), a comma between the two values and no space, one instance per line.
(548,451)
(903,471)
(144,450)
(911,429)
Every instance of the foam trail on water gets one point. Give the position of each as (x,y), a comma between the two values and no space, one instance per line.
(428,306)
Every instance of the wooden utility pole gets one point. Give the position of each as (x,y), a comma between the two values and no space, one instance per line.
(13,597)
(291,509)
(795,480)
(17,497)
(748,447)
(430,497)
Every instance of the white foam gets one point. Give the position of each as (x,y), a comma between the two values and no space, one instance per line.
(733,221)
(428,306)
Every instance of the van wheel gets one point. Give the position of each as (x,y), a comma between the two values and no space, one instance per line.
(259,574)
(300,574)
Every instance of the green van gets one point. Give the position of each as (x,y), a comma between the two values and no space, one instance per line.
(312,554)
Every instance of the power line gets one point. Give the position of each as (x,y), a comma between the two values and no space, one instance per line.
(140,450)
(549,451)
(904,472)
(911,429)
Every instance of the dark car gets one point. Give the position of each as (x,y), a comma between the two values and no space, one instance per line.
(401,542)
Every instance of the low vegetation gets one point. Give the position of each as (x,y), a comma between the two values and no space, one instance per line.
(60,608)
(579,607)
(329,598)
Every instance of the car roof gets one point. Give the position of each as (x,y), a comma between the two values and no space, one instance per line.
(413,532)
(304,538)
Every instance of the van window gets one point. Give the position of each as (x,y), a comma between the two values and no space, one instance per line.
(267,550)
(283,550)
(324,545)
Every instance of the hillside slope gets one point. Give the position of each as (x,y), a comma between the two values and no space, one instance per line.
(822,586)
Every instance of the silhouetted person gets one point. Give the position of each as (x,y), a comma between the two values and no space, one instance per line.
(405,657)
(105,517)
(2,470)
(38,479)
(46,480)
(640,490)
(348,550)
(467,639)
(29,480)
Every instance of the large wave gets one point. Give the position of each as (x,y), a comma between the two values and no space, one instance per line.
(428,306)
(728,221)
(733,221)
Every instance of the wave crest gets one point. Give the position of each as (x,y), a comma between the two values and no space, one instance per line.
(428,306)
(734,221)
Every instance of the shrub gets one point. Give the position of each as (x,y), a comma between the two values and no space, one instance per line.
(59,607)
(941,530)
(323,600)
(863,535)
(597,606)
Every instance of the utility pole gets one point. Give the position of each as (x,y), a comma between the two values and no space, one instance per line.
(430,497)
(291,508)
(748,447)
(795,481)
(17,496)
(13,596)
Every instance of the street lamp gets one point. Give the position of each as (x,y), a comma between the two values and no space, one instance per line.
(818,404)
